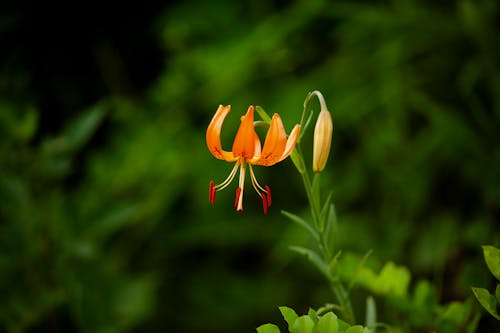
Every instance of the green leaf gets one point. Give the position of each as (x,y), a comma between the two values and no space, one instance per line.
(306,125)
(268,328)
(263,114)
(303,122)
(301,222)
(424,301)
(314,258)
(497,293)
(27,127)
(343,326)
(289,314)
(134,300)
(334,264)
(457,313)
(424,296)
(331,227)
(357,329)
(80,131)
(487,300)
(392,279)
(76,134)
(326,206)
(298,161)
(360,274)
(114,220)
(492,258)
(313,315)
(328,323)
(303,324)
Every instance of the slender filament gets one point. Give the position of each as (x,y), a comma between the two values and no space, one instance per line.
(229,179)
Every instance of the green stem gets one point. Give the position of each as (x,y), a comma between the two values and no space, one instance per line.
(310,196)
(343,298)
(337,286)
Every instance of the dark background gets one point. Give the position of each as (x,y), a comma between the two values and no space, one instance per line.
(105,224)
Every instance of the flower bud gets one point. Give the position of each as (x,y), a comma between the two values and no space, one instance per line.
(322,140)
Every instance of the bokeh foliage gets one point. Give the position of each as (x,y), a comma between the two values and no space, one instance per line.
(105,224)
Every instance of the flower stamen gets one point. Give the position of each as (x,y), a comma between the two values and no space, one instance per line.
(237,198)
(263,192)
(211,192)
(219,187)
(268,194)
(241,185)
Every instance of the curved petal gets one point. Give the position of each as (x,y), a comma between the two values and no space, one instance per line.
(290,143)
(213,135)
(246,143)
(274,145)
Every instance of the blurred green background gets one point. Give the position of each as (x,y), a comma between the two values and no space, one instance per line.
(105,224)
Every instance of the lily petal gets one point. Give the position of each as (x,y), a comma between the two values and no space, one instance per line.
(274,145)
(290,143)
(246,143)
(213,135)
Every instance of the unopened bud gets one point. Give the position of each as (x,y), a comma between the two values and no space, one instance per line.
(322,140)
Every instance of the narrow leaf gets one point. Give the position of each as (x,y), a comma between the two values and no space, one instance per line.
(334,263)
(314,258)
(80,131)
(331,227)
(306,125)
(326,205)
(359,269)
(263,114)
(301,222)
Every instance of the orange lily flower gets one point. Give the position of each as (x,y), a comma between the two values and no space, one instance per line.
(247,151)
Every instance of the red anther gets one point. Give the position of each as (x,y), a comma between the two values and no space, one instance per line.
(268,195)
(238,193)
(264,203)
(211,192)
